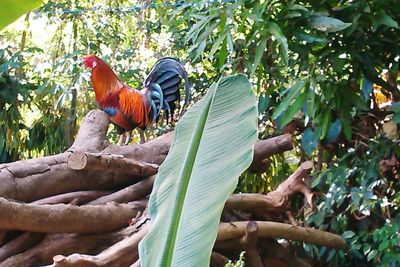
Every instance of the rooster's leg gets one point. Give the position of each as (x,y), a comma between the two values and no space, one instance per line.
(121,139)
(142,137)
(128,138)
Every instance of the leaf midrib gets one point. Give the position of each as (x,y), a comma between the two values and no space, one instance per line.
(187,169)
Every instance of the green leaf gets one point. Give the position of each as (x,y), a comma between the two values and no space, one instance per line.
(395,107)
(12,10)
(372,254)
(346,119)
(263,103)
(293,14)
(366,88)
(309,140)
(383,19)
(366,248)
(324,124)
(3,149)
(298,7)
(2,144)
(347,126)
(60,101)
(276,31)
(207,32)
(316,181)
(348,234)
(334,131)
(396,118)
(331,254)
(311,39)
(383,245)
(198,27)
(258,54)
(218,42)
(327,24)
(293,92)
(223,54)
(200,49)
(213,145)
(291,112)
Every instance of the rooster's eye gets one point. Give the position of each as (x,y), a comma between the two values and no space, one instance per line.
(94,64)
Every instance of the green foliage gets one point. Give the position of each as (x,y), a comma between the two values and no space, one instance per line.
(53,87)
(361,198)
(395,108)
(12,10)
(314,66)
(330,52)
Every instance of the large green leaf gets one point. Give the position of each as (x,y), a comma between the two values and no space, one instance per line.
(213,145)
(12,10)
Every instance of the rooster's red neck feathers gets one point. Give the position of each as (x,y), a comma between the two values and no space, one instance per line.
(105,81)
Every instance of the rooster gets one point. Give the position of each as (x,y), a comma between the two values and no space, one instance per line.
(130,108)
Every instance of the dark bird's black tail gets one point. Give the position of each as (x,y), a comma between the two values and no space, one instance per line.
(165,78)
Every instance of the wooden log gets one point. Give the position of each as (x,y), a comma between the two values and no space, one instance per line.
(57,177)
(275,201)
(109,163)
(19,244)
(266,148)
(67,244)
(80,168)
(123,253)
(76,198)
(233,230)
(62,218)
(91,136)
(153,151)
(131,193)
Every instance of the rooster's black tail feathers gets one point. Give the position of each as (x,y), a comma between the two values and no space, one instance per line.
(165,77)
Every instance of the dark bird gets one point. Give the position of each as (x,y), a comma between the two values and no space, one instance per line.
(130,108)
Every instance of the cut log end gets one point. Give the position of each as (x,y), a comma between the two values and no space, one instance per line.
(77,160)
(59,259)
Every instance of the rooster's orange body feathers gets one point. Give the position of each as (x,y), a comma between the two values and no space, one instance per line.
(129,108)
